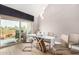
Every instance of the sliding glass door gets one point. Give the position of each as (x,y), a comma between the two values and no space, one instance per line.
(11,31)
(26,28)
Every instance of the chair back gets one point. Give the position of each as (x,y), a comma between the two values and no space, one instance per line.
(74,38)
(64,40)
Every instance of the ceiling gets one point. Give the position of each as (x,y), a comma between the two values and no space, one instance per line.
(33,9)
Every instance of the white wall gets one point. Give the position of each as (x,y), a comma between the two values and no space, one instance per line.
(60,19)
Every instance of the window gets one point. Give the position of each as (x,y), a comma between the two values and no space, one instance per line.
(10,31)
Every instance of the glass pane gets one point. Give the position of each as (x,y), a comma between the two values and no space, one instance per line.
(9,32)
(26,28)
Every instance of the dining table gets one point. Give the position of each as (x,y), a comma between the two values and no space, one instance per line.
(46,38)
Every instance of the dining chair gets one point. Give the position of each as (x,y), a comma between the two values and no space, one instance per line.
(28,42)
(61,48)
(74,43)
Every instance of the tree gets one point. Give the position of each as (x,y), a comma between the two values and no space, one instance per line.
(17,34)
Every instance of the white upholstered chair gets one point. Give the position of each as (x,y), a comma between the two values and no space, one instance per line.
(61,48)
(74,43)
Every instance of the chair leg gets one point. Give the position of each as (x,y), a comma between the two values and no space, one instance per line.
(26,47)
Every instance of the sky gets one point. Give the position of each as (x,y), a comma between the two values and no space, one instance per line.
(9,23)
